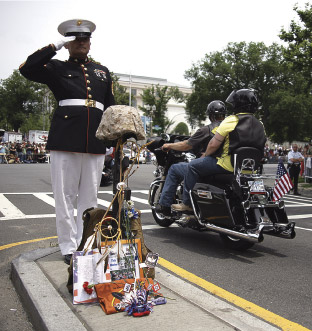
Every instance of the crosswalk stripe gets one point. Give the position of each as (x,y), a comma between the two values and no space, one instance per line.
(45,198)
(299,205)
(8,209)
(11,212)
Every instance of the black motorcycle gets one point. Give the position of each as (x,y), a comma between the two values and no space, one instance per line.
(238,206)
(107,172)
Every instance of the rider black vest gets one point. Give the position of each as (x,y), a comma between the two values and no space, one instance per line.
(249,132)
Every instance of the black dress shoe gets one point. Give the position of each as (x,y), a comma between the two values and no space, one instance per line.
(67,258)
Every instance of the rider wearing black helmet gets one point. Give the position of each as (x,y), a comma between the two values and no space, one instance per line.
(216,111)
(244,100)
(242,129)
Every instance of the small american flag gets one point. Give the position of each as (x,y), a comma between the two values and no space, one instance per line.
(283,183)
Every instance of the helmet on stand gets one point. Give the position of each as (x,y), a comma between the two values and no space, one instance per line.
(216,110)
(243,100)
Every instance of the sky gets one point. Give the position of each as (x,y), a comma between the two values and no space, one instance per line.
(161,39)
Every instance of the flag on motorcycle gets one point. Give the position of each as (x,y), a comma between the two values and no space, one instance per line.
(283,183)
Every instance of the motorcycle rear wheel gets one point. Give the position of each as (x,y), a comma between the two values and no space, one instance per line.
(158,217)
(235,243)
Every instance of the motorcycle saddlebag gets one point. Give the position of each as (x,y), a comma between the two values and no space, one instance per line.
(212,204)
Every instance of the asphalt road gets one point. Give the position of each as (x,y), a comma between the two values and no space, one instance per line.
(275,274)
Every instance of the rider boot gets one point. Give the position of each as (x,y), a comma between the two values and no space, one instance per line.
(166,211)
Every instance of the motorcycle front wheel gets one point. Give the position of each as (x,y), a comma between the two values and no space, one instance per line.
(235,243)
(158,217)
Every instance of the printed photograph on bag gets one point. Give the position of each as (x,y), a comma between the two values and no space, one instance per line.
(115,262)
(124,260)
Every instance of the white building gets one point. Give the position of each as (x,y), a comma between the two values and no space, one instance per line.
(176,111)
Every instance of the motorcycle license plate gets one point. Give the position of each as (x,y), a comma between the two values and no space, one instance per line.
(257,186)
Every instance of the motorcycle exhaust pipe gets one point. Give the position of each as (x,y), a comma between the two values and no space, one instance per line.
(256,236)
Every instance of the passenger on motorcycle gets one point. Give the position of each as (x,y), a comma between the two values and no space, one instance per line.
(242,129)
(198,143)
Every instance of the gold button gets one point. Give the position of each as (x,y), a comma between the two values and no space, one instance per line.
(85,69)
(89,88)
(69,75)
(90,96)
(87,75)
(88,82)
(82,65)
(65,116)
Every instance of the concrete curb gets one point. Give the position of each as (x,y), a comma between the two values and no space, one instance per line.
(45,306)
(222,310)
(49,311)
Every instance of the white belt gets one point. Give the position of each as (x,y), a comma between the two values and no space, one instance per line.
(81,102)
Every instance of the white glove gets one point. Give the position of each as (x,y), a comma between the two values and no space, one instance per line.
(59,44)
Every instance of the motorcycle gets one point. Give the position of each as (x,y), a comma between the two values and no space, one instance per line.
(238,206)
(107,172)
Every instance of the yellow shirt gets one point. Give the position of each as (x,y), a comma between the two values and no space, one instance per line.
(226,126)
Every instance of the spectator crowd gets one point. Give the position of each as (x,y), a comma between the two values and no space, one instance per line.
(23,152)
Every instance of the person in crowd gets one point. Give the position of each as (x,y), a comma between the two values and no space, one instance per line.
(307,152)
(83,90)
(29,152)
(12,150)
(242,129)
(41,153)
(35,151)
(294,160)
(19,151)
(3,152)
(24,151)
(216,111)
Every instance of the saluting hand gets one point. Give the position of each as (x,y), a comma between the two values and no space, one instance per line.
(59,44)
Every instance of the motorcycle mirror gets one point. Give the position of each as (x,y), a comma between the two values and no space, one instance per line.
(165,136)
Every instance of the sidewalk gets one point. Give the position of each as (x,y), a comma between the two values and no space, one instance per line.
(40,279)
(305,191)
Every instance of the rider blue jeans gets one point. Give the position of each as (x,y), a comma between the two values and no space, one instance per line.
(174,178)
(203,166)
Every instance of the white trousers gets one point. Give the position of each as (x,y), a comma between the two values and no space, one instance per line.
(76,179)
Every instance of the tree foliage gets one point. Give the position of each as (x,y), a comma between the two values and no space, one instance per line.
(20,99)
(240,65)
(299,39)
(120,92)
(283,104)
(159,97)
(181,129)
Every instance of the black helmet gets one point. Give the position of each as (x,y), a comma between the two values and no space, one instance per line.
(244,100)
(216,107)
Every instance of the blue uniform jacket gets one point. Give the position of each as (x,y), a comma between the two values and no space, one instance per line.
(72,128)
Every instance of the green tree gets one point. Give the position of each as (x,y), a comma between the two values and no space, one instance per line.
(120,92)
(159,97)
(181,129)
(20,99)
(299,39)
(240,65)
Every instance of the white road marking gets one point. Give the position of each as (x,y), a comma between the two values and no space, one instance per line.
(46,198)
(8,209)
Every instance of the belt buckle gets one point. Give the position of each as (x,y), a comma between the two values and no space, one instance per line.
(90,103)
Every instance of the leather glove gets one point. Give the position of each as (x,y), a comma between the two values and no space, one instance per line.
(59,44)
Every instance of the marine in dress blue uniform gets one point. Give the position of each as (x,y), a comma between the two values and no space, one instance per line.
(83,90)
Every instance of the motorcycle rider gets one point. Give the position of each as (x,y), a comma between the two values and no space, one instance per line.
(216,111)
(242,129)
